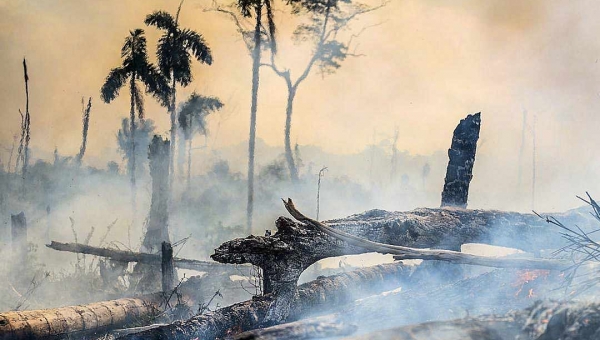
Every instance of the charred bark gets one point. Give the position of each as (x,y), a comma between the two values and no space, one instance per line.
(150,259)
(461,159)
(319,295)
(323,327)
(541,321)
(167,268)
(286,254)
(158,219)
(157,228)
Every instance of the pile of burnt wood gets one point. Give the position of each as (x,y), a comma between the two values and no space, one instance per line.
(447,296)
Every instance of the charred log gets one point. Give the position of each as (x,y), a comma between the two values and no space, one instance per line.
(286,254)
(323,327)
(541,321)
(319,295)
(461,159)
(167,268)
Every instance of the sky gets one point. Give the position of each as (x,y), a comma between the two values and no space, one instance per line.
(424,65)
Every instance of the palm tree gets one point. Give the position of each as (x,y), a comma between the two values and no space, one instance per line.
(135,68)
(246,7)
(192,120)
(175,49)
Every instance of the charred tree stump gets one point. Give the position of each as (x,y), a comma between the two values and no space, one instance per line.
(158,219)
(461,159)
(167,268)
(320,295)
(18,233)
(157,228)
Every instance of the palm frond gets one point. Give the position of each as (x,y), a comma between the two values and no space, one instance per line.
(156,84)
(196,109)
(113,84)
(245,7)
(195,42)
(161,20)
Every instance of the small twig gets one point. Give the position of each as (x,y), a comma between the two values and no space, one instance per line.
(321,174)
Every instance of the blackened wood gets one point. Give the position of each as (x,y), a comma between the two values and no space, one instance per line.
(460,164)
(544,320)
(158,220)
(167,268)
(319,295)
(315,328)
(157,228)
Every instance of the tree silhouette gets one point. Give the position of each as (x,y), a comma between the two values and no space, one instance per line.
(85,112)
(175,49)
(192,120)
(327,19)
(254,41)
(135,68)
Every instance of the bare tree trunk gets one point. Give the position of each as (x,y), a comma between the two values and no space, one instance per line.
(86,123)
(167,268)
(27,126)
(189,163)
(173,132)
(461,159)
(157,229)
(158,218)
(131,159)
(289,156)
(253,111)
(19,238)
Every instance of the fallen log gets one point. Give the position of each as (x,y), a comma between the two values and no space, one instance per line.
(407,253)
(286,254)
(480,328)
(319,295)
(152,259)
(496,292)
(75,321)
(316,328)
(548,320)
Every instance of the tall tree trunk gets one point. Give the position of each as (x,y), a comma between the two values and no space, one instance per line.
(131,159)
(27,124)
(189,161)
(181,152)
(253,109)
(84,133)
(288,127)
(173,134)
(157,230)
